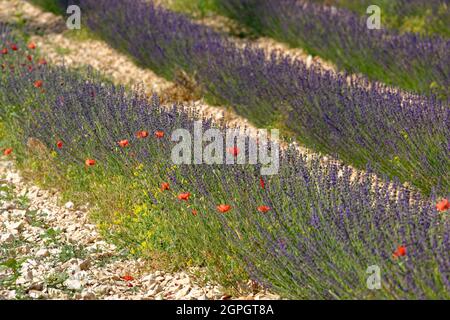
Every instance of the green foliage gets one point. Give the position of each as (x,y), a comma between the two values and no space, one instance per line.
(416,17)
(196,8)
(52,6)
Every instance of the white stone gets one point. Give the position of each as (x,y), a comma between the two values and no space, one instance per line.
(42,253)
(184,281)
(150,279)
(11,294)
(15,226)
(19,213)
(154,289)
(35,294)
(8,206)
(182,293)
(25,277)
(7,237)
(73,284)
(69,205)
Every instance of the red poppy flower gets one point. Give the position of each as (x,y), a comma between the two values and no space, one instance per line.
(30,68)
(263,209)
(159,134)
(443,205)
(14,47)
(127,278)
(123,143)
(224,208)
(31,46)
(38,83)
(29,57)
(165,186)
(194,212)
(262,183)
(4,51)
(142,134)
(8,151)
(90,162)
(42,61)
(184,196)
(59,144)
(400,252)
(234,151)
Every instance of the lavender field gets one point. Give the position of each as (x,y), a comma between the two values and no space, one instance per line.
(306,157)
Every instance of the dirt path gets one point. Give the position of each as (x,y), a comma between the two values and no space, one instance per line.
(48,251)
(54,252)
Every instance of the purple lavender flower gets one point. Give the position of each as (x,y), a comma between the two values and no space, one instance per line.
(399,134)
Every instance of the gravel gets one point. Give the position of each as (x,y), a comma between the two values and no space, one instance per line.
(52,251)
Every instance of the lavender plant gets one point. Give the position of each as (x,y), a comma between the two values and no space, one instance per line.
(399,134)
(302,252)
(405,60)
(427,17)
(309,232)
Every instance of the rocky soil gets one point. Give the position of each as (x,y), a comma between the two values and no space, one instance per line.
(51,251)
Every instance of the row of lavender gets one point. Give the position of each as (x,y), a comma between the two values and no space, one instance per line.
(420,64)
(426,17)
(361,122)
(312,231)
(405,7)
